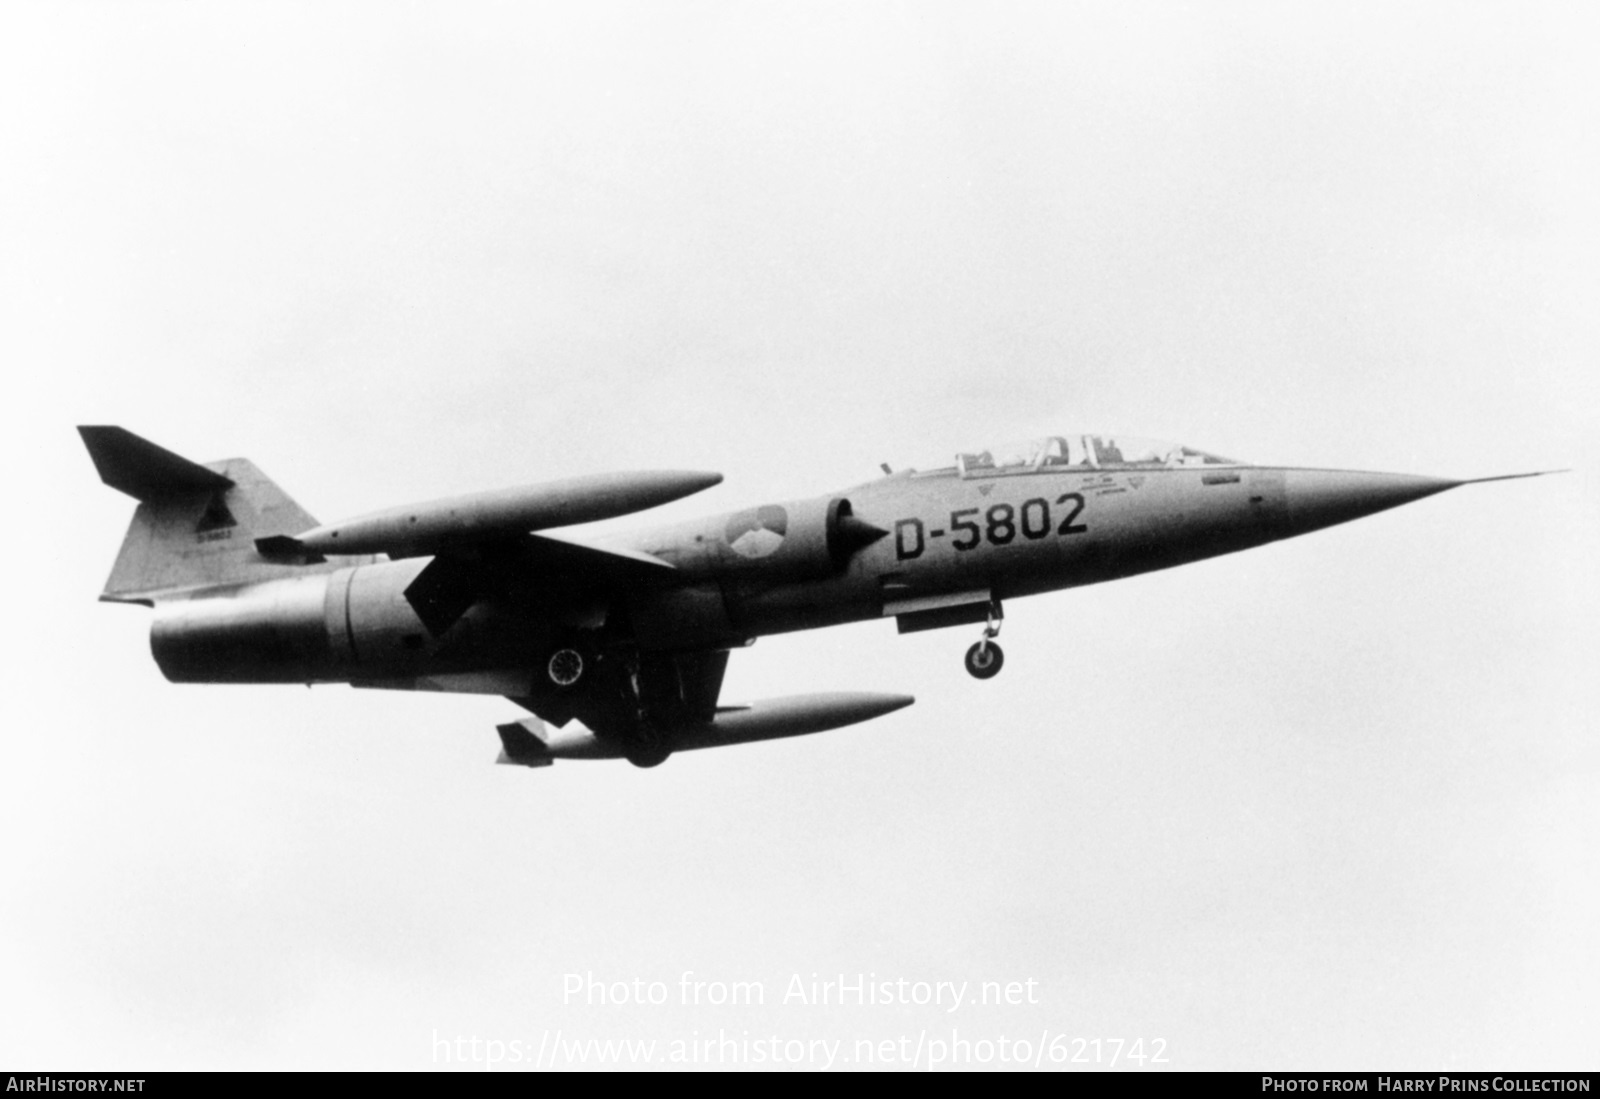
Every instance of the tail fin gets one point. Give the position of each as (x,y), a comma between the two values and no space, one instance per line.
(196,525)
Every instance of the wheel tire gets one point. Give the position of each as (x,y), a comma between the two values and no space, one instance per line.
(565,667)
(650,748)
(648,757)
(984,660)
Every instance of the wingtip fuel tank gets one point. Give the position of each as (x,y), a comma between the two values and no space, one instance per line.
(426,527)
(532,743)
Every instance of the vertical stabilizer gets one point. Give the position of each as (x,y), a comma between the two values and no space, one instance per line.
(196,525)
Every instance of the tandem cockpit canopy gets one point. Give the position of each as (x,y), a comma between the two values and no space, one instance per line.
(1084,452)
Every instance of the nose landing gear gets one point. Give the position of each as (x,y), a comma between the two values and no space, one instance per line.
(984,659)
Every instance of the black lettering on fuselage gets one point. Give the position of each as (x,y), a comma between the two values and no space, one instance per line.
(904,549)
(999,525)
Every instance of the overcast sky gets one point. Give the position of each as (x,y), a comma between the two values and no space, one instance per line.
(1334,803)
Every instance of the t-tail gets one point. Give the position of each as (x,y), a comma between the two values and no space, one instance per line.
(196,525)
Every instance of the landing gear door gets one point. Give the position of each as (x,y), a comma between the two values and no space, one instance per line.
(933,612)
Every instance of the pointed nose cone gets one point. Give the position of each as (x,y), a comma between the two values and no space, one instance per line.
(1318,498)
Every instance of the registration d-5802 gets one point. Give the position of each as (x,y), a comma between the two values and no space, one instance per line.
(1000,525)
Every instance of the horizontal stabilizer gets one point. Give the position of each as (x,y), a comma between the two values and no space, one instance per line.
(195,525)
(143,470)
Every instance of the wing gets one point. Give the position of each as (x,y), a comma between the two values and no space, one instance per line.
(526,568)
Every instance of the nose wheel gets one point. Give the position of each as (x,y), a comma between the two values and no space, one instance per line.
(984,660)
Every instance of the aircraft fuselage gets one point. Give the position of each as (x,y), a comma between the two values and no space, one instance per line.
(953,546)
(629,634)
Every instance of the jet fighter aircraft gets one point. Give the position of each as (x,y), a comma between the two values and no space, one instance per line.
(617,645)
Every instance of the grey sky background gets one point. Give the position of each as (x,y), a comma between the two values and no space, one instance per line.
(1334,803)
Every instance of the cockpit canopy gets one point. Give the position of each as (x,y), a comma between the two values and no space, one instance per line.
(1084,452)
